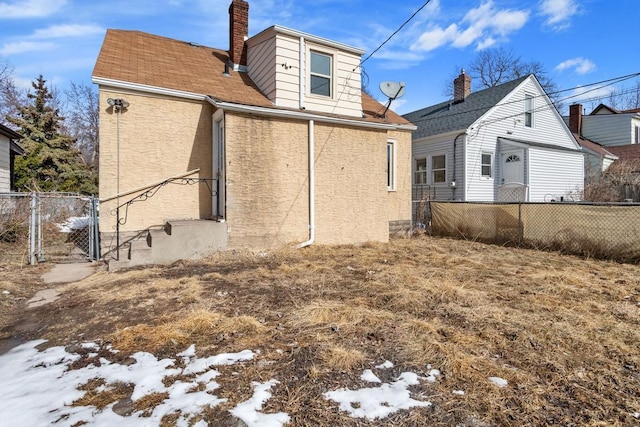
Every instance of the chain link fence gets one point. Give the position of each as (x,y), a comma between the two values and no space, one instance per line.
(599,230)
(52,227)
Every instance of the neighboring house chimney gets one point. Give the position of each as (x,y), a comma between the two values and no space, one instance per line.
(461,87)
(575,118)
(238,33)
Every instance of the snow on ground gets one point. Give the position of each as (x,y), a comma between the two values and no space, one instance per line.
(38,388)
(500,382)
(74,223)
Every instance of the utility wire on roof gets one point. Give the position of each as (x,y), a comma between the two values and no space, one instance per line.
(393,34)
(608,82)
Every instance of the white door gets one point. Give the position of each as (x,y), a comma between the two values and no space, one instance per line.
(218,202)
(513,167)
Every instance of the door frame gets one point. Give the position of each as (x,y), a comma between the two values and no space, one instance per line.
(503,156)
(218,172)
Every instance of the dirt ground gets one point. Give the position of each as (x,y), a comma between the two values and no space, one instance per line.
(564,331)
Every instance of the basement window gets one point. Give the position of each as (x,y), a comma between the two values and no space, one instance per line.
(320,73)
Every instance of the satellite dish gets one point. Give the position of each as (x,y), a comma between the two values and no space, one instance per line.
(392,90)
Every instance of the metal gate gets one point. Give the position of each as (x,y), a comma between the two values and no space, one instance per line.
(54,227)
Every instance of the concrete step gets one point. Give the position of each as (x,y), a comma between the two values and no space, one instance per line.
(181,239)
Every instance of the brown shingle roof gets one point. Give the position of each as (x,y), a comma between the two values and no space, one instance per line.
(593,146)
(626,152)
(147,59)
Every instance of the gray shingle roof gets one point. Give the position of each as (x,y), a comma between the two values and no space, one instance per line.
(449,116)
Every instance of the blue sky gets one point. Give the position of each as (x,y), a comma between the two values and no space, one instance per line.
(578,41)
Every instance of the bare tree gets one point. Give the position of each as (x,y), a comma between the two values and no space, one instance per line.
(11,98)
(623,98)
(82,120)
(613,183)
(492,67)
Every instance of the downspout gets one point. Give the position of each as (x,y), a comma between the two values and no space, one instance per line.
(453,183)
(312,193)
(301,68)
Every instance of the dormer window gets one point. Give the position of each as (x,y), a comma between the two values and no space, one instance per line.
(321,65)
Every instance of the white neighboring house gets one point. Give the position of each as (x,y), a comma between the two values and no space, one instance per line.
(505,143)
(9,148)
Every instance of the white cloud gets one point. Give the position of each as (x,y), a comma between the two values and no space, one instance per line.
(483,26)
(587,93)
(29,8)
(558,13)
(68,30)
(25,46)
(435,38)
(581,65)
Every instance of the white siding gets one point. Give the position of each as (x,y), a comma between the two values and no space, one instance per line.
(555,175)
(439,145)
(5,183)
(484,140)
(261,65)
(609,129)
(506,120)
(273,62)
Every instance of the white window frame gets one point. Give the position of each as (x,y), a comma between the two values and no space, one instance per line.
(392,164)
(432,170)
(637,137)
(420,172)
(331,56)
(529,108)
(483,165)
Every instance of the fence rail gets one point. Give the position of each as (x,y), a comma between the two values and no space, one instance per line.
(58,227)
(601,230)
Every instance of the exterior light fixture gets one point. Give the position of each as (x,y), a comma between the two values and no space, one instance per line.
(117,103)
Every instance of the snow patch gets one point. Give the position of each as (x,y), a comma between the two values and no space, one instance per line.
(500,382)
(74,223)
(249,410)
(378,402)
(386,365)
(369,376)
(38,387)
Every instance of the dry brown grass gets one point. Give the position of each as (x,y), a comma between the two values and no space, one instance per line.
(564,331)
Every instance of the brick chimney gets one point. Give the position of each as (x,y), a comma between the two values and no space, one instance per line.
(238,33)
(575,118)
(461,87)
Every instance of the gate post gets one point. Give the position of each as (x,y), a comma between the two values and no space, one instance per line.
(32,231)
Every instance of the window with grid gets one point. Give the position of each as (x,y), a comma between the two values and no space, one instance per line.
(320,73)
(420,171)
(438,169)
(528,111)
(487,160)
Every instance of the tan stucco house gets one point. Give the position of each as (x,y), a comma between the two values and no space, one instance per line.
(273,140)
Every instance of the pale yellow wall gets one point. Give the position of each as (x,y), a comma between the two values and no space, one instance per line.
(159,138)
(267,182)
(399,201)
(267,185)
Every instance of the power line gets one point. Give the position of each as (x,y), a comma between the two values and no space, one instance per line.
(603,83)
(394,33)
